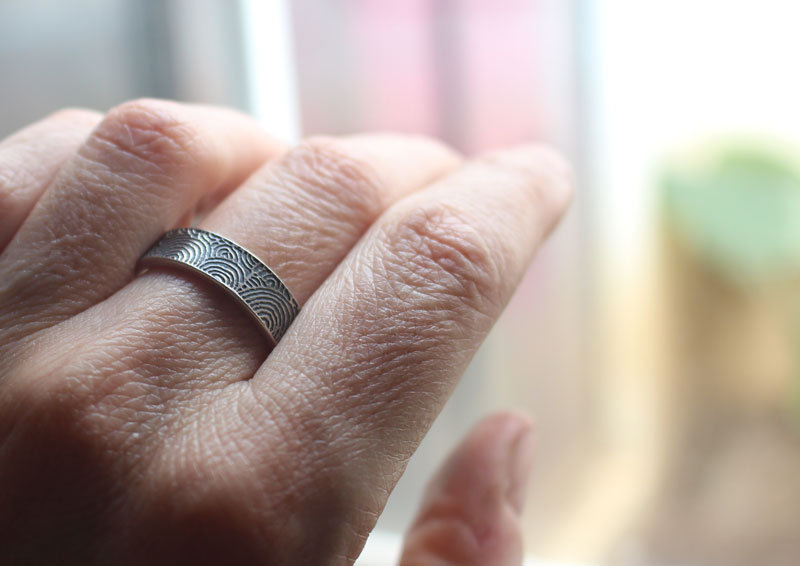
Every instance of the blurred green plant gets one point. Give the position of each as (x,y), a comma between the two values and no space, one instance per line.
(736,207)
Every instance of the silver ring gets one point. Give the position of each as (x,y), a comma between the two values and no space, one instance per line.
(240,273)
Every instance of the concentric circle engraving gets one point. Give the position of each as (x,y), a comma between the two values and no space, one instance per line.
(238,271)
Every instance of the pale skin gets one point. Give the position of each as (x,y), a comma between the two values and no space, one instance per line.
(145,420)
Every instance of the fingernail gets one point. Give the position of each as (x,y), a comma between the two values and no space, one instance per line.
(520,464)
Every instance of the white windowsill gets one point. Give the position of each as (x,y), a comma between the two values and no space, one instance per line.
(383,549)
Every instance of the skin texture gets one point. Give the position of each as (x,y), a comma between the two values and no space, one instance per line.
(143,418)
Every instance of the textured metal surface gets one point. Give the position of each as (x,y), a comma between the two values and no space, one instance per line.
(239,272)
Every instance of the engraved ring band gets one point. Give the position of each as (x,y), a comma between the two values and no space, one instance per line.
(232,268)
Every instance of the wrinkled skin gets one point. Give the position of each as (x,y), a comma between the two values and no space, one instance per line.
(144,420)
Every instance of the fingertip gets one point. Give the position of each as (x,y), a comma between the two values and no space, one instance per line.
(507,441)
(470,514)
(551,175)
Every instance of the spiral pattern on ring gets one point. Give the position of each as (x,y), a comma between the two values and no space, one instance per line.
(234,267)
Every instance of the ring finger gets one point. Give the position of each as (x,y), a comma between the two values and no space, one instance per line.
(301,214)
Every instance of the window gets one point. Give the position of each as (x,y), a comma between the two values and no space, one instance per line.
(660,365)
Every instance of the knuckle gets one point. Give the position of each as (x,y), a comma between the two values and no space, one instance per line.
(150,131)
(330,176)
(437,250)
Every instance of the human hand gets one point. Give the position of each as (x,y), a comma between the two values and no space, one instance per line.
(143,419)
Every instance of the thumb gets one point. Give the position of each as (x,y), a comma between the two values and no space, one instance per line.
(470,513)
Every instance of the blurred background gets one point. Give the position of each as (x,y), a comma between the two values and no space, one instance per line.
(656,339)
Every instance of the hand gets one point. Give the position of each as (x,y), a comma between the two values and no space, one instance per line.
(143,419)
